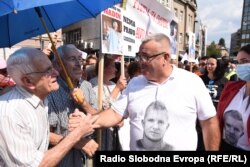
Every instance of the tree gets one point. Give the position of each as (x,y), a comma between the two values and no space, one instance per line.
(222,42)
(212,50)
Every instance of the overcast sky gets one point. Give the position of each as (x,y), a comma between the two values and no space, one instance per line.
(222,17)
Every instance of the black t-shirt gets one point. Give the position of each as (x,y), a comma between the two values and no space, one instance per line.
(215,87)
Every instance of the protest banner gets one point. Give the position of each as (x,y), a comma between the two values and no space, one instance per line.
(135,20)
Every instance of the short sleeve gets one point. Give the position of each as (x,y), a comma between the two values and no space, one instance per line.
(204,102)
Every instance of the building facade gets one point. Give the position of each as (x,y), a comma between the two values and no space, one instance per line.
(167,3)
(235,43)
(185,12)
(245,23)
(39,42)
(85,34)
(242,36)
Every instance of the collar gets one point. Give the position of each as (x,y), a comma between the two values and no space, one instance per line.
(31,98)
(174,71)
(171,77)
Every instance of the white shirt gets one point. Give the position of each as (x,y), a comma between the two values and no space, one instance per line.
(24,128)
(185,97)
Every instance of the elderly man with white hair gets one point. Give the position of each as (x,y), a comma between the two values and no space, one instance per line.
(24,126)
(62,103)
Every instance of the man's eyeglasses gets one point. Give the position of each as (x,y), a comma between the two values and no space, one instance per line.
(46,72)
(146,58)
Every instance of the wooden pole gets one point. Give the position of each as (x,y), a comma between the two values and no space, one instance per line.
(100,96)
(122,66)
(65,73)
(68,80)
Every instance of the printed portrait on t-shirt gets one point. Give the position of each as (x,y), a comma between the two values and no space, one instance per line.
(155,125)
(212,89)
(233,127)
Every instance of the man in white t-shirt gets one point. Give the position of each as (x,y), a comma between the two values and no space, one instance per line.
(183,93)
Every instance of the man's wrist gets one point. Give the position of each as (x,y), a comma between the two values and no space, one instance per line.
(84,103)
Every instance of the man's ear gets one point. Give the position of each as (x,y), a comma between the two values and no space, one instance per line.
(27,82)
(167,56)
(167,126)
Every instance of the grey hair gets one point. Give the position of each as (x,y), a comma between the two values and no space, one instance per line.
(63,49)
(158,37)
(20,63)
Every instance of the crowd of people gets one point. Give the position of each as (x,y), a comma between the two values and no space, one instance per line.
(157,105)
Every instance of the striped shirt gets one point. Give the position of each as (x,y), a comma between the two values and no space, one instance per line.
(24,128)
(60,106)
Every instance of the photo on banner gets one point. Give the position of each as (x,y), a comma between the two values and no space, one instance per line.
(134,19)
(191,47)
(173,39)
(111,30)
(143,18)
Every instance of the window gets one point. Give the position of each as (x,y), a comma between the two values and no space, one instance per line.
(181,16)
(243,36)
(190,20)
(73,36)
(164,2)
(244,27)
(176,12)
(180,38)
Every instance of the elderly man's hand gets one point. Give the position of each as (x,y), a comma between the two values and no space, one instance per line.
(79,121)
(89,146)
(78,96)
(120,124)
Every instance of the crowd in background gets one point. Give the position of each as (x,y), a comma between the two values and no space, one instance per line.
(219,75)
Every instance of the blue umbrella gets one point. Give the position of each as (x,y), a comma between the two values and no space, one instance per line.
(22,22)
(22,19)
(8,6)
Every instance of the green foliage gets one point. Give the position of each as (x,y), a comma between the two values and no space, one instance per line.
(211,49)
